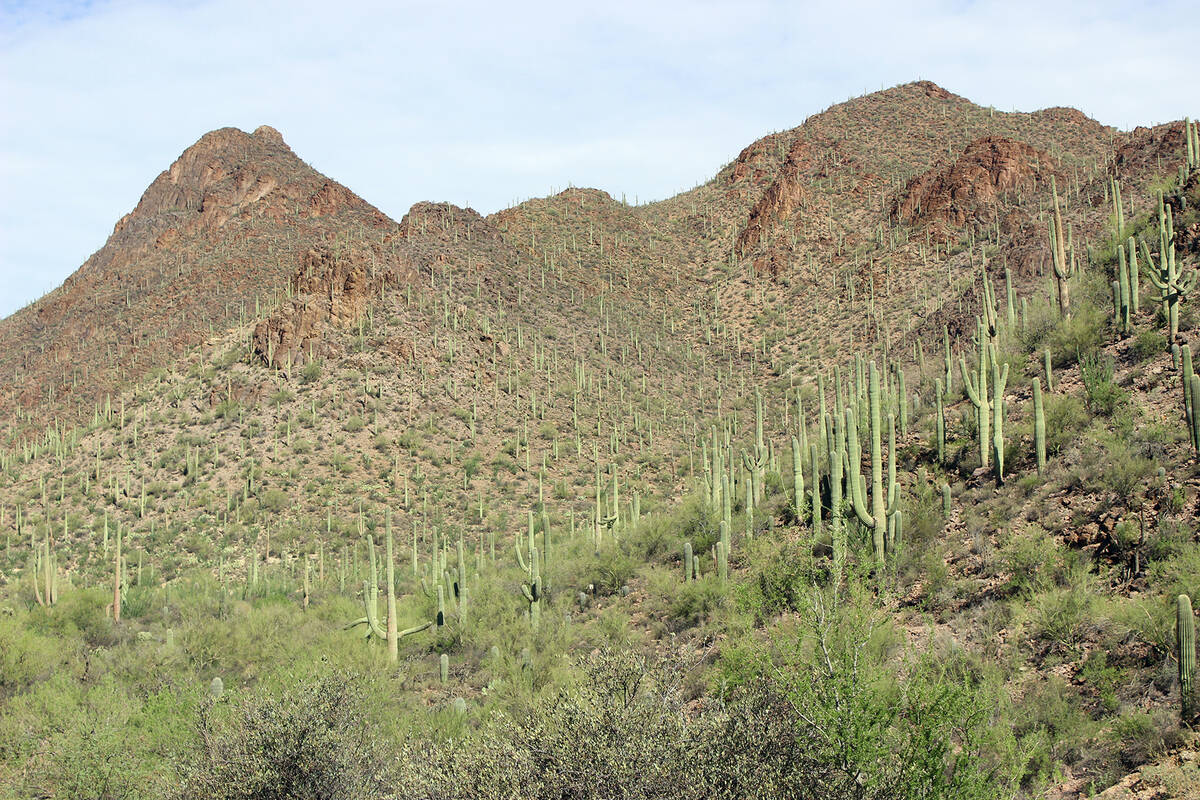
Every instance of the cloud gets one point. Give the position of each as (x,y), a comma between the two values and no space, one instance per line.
(489,103)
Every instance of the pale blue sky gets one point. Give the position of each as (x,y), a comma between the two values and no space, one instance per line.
(490,103)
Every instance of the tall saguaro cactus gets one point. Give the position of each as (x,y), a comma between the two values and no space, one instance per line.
(756,464)
(881,506)
(1185,639)
(116,606)
(1063,267)
(978,394)
(941,421)
(388,632)
(532,588)
(1173,281)
(999,381)
(798,475)
(1039,426)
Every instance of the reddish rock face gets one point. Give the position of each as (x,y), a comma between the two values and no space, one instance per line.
(974,185)
(329,290)
(780,199)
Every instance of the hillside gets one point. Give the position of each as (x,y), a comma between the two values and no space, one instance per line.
(259,374)
(211,243)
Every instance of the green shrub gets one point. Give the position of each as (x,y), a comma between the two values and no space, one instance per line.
(1125,471)
(308,740)
(25,656)
(1148,344)
(1031,558)
(1102,392)
(1065,418)
(311,372)
(1063,615)
(1080,334)
(694,601)
(780,575)
(608,570)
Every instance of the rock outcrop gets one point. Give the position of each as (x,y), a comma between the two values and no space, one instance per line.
(973,186)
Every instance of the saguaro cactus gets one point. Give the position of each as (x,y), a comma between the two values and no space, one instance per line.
(756,463)
(798,475)
(1172,280)
(999,381)
(1186,373)
(532,590)
(1039,427)
(941,421)
(978,394)
(116,604)
(837,528)
(388,632)
(1063,268)
(1185,639)
(881,506)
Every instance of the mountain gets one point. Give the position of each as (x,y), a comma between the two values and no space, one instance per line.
(212,241)
(259,371)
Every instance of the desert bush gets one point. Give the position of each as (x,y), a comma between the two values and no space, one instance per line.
(832,725)
(1148,344)
(1103,394)
(1065,418)
(308,740)
(1078,335)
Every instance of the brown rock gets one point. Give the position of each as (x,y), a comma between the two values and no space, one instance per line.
(951,195)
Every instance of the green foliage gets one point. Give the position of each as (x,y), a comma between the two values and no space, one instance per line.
(780,575)
(1065,418)
(1063,615)
(1082,333)
(307,740)
(1103,394)
(832,728)
(311,372)
(1032,559)
(608,570)
(695,600)
(1149,344)
(25,655)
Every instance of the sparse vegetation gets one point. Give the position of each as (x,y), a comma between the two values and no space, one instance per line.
(544,461)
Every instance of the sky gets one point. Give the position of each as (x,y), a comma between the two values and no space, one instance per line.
(490,103)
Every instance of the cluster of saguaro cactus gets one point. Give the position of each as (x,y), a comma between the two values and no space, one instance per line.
(883,508)
(1173,281)
(1124,293)
(389,632)
(532,588)
(45,574)
(757,461)
(610,518)
(1125,287)
(989,411)
(1061,256)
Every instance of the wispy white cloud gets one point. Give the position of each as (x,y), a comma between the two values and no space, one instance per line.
(488,103)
